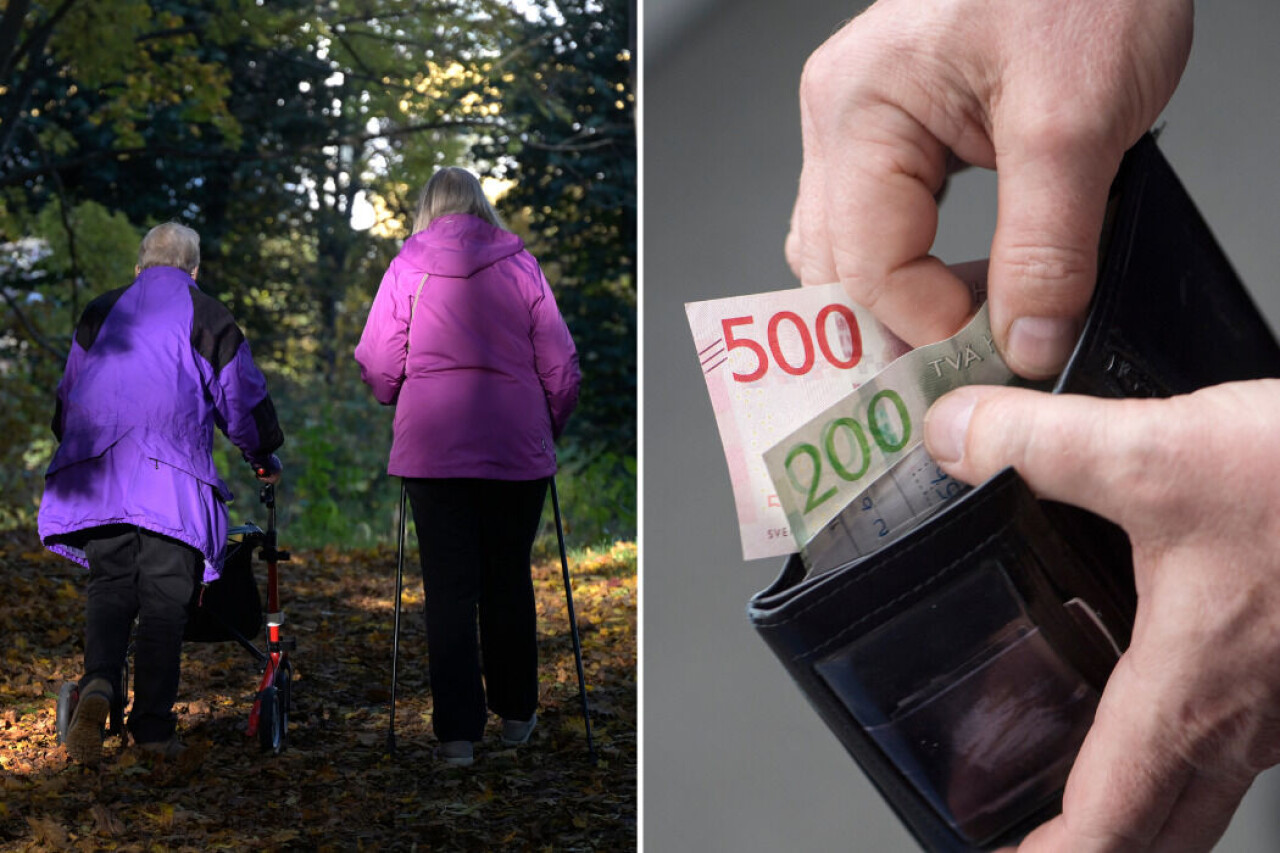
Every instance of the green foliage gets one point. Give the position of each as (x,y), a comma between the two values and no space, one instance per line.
(49,289)
(152,56)
(29,444)
(265,127)
(105,247)
(597,489)
(335,489)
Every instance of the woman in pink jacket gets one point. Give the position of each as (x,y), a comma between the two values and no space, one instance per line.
(465,339)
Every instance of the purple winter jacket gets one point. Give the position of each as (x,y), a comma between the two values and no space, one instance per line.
(153,367)
(490,375)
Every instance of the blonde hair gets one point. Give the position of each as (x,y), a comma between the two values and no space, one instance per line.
(170,245)
(453,190)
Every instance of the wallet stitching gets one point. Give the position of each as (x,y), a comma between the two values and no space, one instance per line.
(929,581)
(874,570)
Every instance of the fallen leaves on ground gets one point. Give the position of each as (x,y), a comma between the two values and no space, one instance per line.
(335,787)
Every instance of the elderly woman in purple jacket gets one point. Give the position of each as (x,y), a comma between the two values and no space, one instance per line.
(132,491)
(464,337)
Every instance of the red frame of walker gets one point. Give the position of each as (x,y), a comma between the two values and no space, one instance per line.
(277,653)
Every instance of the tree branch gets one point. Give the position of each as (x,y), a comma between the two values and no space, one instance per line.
(11,119)
(164,34)
(33,47)
(40,34)
(335,67)
(410,129)
(16,178)
(351,50)
(61,191)
(571,146)
(364,19)
(10,26)
(30,329)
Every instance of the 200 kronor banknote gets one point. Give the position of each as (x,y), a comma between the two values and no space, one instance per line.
(822,467)
(772,361)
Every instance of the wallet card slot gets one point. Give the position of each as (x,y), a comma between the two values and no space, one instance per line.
(1090,622)
(966,696)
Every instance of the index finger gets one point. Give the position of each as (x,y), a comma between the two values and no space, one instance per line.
(880,170)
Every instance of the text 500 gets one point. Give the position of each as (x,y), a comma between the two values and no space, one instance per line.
(804,363)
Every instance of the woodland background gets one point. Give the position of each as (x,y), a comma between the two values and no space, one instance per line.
(295,137)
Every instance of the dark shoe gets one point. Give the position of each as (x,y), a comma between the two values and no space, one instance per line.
(460,753)
(88,722)
(167,749)
(516,732)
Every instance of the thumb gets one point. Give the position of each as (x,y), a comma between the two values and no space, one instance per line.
(1044,254)
(1080,450)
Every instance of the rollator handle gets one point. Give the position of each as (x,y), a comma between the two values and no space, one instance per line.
(270,553)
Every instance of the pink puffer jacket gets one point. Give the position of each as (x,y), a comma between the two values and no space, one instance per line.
(485,376)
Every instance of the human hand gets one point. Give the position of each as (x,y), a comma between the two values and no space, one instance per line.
(1048,94)
(1191,712)
(269,472)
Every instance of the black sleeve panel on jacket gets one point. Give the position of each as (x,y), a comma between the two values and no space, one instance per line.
(270,436)
(214,333)
(95,315)
(57,420)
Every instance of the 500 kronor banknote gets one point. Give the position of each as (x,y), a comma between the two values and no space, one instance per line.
(823,466)
(771,361)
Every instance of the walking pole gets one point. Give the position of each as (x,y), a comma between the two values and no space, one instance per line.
(573,622)
(395,633)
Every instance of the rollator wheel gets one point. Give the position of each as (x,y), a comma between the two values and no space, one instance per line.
(269,735)
(68,696)
(273,717)
(284,699)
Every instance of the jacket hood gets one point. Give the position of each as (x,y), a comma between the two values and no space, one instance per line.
(458,246)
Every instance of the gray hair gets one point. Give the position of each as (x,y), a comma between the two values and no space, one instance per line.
(453,190)
(170,245)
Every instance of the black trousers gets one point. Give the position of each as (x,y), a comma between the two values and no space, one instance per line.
(475,538)
(136,573)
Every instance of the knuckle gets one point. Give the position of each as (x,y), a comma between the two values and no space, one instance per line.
(863,290)
(1048,279)
(855,59)
(862,287)
(1054,265)
(819,80)
(1054,126)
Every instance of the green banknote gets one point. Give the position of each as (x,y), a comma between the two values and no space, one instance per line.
(825,465)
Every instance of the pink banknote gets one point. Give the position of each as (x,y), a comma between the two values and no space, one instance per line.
(772,361)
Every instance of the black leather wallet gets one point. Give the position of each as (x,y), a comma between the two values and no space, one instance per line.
(961,665)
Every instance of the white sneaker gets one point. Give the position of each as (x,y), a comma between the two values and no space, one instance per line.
(516,732)
(460,753)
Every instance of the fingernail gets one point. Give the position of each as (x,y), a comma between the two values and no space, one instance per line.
(947,423)
(1040,346)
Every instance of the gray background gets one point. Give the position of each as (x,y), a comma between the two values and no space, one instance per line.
(734,759)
